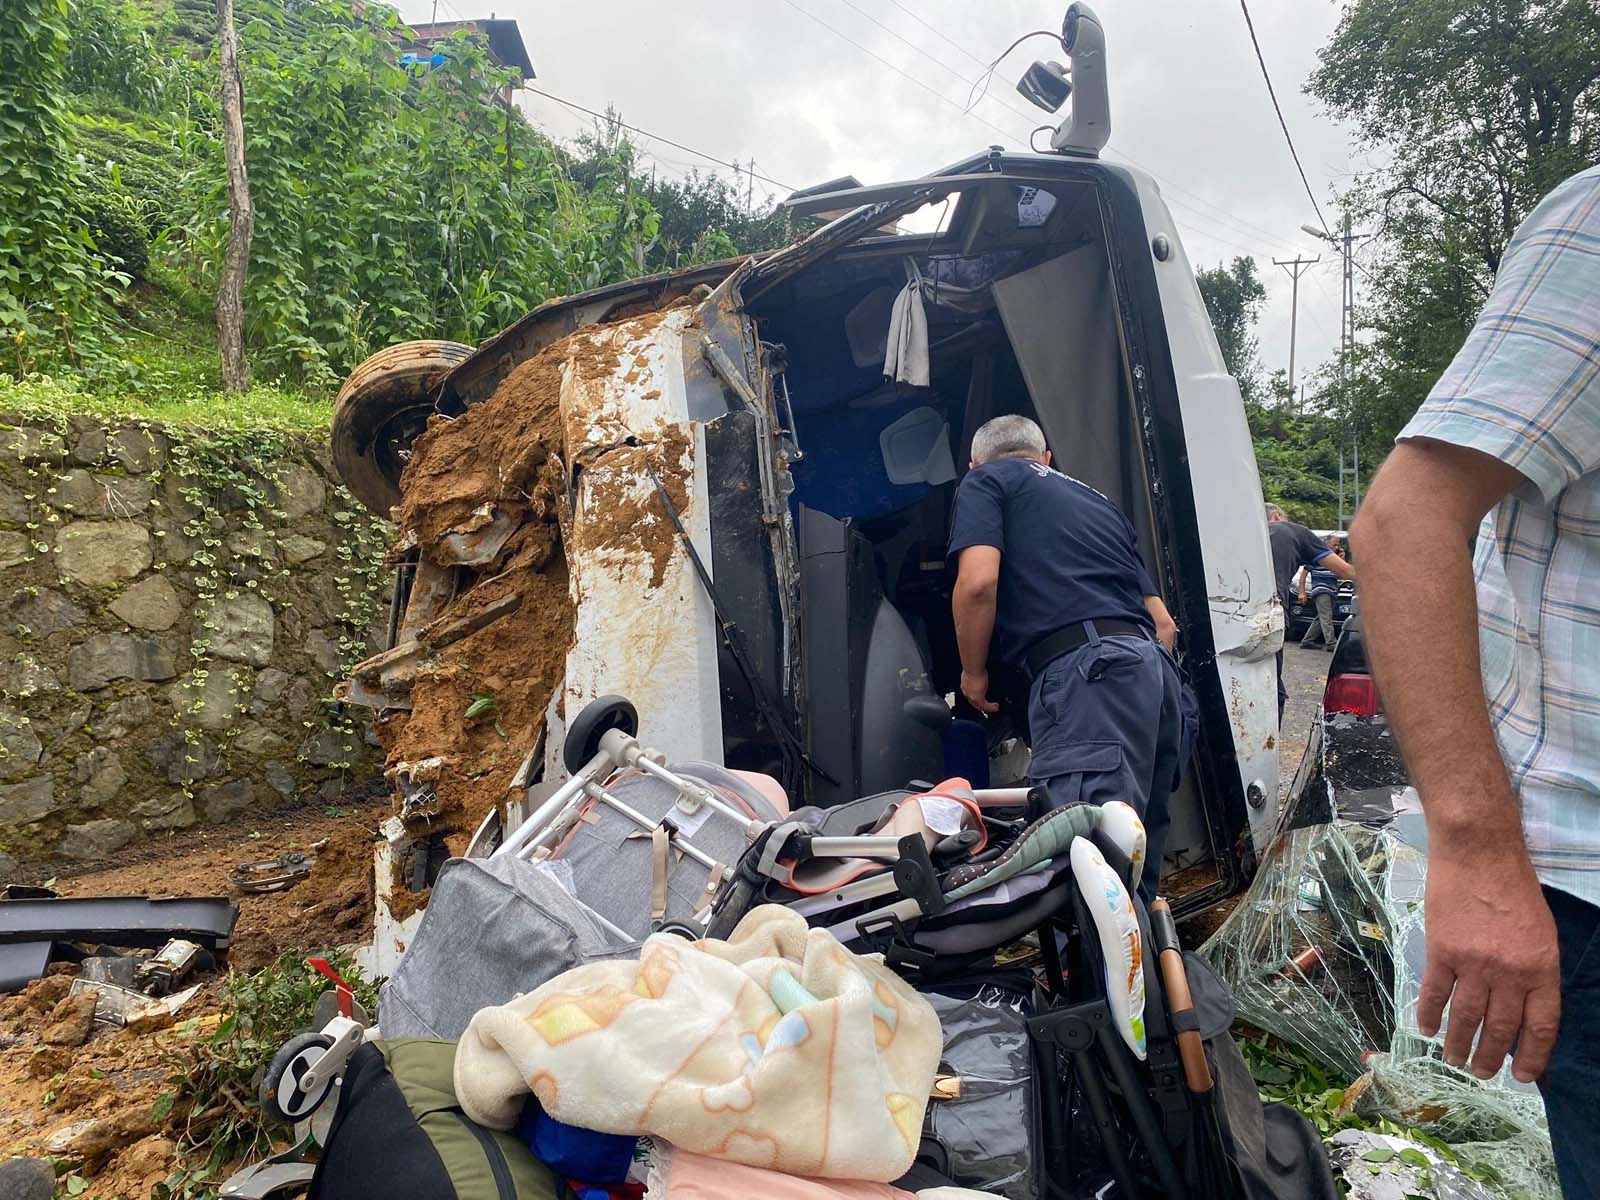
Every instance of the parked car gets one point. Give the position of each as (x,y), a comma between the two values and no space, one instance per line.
(1352,761)
(1299,616)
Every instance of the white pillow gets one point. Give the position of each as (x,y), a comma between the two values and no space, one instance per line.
(1118,928)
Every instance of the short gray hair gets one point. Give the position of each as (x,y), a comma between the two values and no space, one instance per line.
(1007,435)
(1274,511)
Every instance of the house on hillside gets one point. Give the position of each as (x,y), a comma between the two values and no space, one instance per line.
(428,41)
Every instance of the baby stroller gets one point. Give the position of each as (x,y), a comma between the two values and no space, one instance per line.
(1139,1083)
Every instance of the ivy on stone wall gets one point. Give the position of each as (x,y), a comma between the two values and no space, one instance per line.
(236,546)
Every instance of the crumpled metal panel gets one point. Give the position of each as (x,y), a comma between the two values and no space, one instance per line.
(654,642)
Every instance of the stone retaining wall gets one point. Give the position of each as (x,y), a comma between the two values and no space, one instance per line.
(174,611)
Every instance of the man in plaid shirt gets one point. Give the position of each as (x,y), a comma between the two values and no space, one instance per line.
(1496,702)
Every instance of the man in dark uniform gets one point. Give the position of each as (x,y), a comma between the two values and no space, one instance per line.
(1295,546)
(1049,583)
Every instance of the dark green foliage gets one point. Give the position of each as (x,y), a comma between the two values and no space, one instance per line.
(136,158)
(1476,109)
(1296,455)
(1234,295)
(53,281)
(1298,458)
(702,217)
(393,202)
(119,234)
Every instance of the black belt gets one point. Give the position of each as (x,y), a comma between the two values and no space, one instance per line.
(1074,637)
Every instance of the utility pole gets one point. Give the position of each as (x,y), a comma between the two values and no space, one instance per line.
(1347,351)
(1294,269)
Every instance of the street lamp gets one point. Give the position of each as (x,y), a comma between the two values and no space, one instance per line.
(1320,233)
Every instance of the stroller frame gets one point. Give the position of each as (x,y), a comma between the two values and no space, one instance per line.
(603,740)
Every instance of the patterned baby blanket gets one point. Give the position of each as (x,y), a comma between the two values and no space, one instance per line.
(777,1048)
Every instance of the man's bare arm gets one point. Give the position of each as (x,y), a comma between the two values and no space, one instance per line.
(973,603)
(1166,627)
(1340,566)
(1492,951)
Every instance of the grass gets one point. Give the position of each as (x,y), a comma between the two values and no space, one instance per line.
(158,362)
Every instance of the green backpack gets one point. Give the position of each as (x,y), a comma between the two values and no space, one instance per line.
(399,1134)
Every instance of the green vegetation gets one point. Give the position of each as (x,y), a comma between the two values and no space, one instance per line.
(166,369)
(1234,294)
(1296,453)
(55,279)
(394,200)
(1475,112)
(210,1099)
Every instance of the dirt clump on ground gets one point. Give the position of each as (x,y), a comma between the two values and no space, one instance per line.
(331,907)
(102,1109)
(92,1108)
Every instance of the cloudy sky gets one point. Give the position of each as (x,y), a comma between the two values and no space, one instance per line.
(813,89)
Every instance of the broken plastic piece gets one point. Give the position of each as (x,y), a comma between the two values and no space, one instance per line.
(272,874)
(117,1007)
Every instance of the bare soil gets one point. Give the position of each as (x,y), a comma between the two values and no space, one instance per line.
(333,907)
(104,1091)
(518,455)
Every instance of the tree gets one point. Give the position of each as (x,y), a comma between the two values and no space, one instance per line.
(241,213)
(703,216)
(1475,109)
(1234,294)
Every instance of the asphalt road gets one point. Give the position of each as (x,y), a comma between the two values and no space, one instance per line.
(1304,674)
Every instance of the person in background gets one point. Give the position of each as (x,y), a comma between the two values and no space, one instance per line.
(1494,692)
(1049,583)
(1295,546)
(1323,586)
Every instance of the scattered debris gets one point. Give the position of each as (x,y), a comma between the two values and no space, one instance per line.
(115,969)
(119,1007)
(274,874)
(22,962)
(114,1096)
(1325,953)
(170,966)
(1380,1166)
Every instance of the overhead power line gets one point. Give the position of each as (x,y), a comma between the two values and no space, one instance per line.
(721,162)
(1293,153)
(1217,213)
(1244,227)
(906,75)
(937,32)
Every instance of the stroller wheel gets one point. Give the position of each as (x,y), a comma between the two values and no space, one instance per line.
(282,1097)
(597,718)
